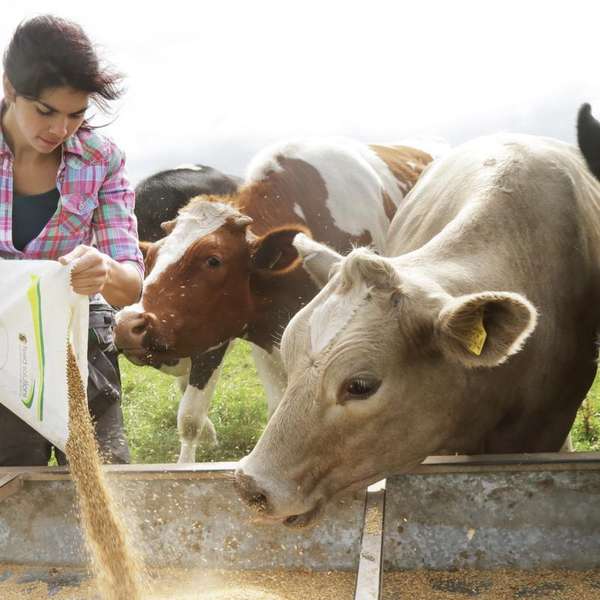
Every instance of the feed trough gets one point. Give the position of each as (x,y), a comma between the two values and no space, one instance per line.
(457,525)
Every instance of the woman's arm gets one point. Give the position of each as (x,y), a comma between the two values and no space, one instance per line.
(116,268)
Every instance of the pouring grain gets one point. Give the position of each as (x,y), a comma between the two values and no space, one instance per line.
(116,567)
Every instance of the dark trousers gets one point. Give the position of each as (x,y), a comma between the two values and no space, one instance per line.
(20,445)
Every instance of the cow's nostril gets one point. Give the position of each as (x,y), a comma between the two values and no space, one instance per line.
(138,324)
(250,492)
(258,502)
(139,329)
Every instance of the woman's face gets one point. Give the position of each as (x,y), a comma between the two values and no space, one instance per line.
(46,122)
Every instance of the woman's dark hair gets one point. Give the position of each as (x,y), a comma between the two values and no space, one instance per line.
(47,52)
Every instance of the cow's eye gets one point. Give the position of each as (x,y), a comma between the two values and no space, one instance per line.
(359,388)
(213,262)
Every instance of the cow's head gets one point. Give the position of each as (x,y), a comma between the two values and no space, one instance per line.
(378,367)
(198,292)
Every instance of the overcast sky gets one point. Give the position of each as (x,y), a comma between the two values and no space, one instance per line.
(213,82)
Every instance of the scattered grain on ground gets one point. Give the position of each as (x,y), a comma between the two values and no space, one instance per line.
(492,585)
(16,583)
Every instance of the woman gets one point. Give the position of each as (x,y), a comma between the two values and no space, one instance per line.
(64,196)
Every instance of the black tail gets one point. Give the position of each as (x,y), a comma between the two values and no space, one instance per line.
(588,137)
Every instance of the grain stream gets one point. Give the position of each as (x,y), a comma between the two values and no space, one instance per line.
(116,567)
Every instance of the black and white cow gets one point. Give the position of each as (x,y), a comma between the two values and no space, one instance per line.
(160,196)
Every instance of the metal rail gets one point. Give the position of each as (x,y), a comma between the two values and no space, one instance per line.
(213,470)
(370,567)
(434,464)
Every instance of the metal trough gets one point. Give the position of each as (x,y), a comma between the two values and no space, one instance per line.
(488,512)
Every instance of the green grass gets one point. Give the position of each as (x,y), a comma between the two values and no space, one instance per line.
(239,412)
(586,429)
(150,399)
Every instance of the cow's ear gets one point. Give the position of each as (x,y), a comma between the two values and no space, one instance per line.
(484,329)
(317,259)
(274,253)
(588,137)
(168,226)
(148,250)
(240,221)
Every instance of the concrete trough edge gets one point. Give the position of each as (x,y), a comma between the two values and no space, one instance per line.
(434,464)
(10,484)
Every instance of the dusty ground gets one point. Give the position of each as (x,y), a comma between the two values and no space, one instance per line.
(27,583)
(17,582)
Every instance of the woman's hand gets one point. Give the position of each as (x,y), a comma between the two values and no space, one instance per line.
(94,272)
(91,269)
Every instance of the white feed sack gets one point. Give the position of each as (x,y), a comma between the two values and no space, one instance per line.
(39,314)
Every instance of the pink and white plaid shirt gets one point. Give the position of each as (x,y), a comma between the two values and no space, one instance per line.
(96,203)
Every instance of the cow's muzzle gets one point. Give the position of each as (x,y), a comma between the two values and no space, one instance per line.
(259,500)
(137,335)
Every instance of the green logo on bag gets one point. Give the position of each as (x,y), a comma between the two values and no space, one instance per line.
(35,302)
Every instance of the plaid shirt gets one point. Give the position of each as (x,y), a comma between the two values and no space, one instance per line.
(96,203)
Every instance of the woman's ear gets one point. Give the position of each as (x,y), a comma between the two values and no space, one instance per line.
(9,91)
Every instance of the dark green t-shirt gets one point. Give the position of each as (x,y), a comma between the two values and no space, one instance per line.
(30,215)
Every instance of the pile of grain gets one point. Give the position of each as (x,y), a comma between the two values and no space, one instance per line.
(498,584)
(116,567)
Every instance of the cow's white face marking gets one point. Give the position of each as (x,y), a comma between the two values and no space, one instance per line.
(132,308)
(333,315)
(193,223)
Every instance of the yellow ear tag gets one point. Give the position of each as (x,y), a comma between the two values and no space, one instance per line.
(478,337)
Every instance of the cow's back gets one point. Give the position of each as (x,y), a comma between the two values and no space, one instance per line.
(345,192)
(512,186)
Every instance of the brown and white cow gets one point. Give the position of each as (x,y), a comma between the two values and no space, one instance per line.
(478,335)
(158,198)
(228,269)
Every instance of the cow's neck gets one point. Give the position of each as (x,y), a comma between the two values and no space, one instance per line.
(277,300)
(468,253)
(271,202)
